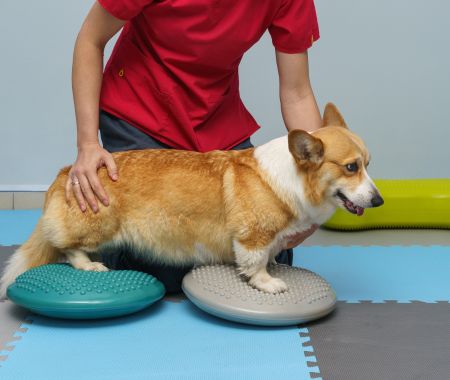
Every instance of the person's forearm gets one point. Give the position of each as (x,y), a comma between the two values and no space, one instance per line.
(300,111)
(83,181)
(87,73)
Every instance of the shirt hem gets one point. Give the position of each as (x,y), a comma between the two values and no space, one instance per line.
(253,129)
(143,130)
(301,49)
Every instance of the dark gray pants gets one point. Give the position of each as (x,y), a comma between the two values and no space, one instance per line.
(117,135)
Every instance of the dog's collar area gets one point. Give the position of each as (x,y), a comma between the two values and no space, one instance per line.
(349,205)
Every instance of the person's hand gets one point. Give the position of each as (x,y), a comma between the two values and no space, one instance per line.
(293,240)
(83,180)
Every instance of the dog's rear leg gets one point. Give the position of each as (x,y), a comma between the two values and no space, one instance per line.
(252,263)
(80,260)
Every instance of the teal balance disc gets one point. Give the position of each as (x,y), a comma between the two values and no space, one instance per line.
(59,290)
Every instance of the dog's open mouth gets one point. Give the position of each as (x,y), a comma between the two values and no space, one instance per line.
(349,205)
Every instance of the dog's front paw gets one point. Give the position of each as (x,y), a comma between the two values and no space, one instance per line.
(94,266)
(269,285)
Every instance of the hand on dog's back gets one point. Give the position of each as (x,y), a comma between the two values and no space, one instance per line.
(90,158)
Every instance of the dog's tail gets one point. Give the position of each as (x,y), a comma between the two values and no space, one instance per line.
(36,251)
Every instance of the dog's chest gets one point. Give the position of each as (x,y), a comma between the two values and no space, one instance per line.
(294,228)
(297,226)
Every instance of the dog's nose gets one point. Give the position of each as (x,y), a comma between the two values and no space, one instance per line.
(377,200)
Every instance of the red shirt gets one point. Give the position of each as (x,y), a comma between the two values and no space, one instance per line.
(173,72)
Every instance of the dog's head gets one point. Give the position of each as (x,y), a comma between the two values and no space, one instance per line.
(334,161)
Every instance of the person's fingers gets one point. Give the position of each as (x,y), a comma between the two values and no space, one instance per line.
(111,167)
(87,193)
(76,188)
(98,188)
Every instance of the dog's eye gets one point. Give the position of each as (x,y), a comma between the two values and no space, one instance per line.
(352,168)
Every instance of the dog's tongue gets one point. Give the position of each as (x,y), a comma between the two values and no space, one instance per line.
(353,208)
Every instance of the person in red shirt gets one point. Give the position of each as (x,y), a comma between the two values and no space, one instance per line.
(172,82)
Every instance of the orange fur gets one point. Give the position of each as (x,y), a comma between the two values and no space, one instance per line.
(186,207)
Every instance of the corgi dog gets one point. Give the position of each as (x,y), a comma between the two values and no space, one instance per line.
(184,207)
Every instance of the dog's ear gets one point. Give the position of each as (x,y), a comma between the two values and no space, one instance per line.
(332,116)
(306,149)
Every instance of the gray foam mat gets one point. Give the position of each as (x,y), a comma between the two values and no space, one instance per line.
(369,341)
(5,254)
(11,316)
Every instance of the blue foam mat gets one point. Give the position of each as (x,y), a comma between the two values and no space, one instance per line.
(16,225)
(381,273)
(168,341)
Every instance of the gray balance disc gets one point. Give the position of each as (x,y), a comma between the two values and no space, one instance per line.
(221,291)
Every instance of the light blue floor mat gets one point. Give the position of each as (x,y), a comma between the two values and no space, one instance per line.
(169,341)
(16,225)
(381,273)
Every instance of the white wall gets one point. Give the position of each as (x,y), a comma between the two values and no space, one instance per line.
(37,130)
(385,63)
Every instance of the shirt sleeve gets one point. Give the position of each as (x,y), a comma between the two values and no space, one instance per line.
(124,9)
(294,28)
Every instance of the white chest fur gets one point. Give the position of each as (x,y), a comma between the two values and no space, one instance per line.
(276,161)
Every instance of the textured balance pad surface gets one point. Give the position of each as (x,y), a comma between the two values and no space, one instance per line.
(408,203)
(221,291)
(59,290)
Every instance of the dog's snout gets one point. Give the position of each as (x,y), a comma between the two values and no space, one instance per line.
(377,200)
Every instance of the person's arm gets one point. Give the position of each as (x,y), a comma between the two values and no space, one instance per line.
(298,104)
(298,107)
(87,73)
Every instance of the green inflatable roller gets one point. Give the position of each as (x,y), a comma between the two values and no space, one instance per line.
(419,203)
(59,290)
